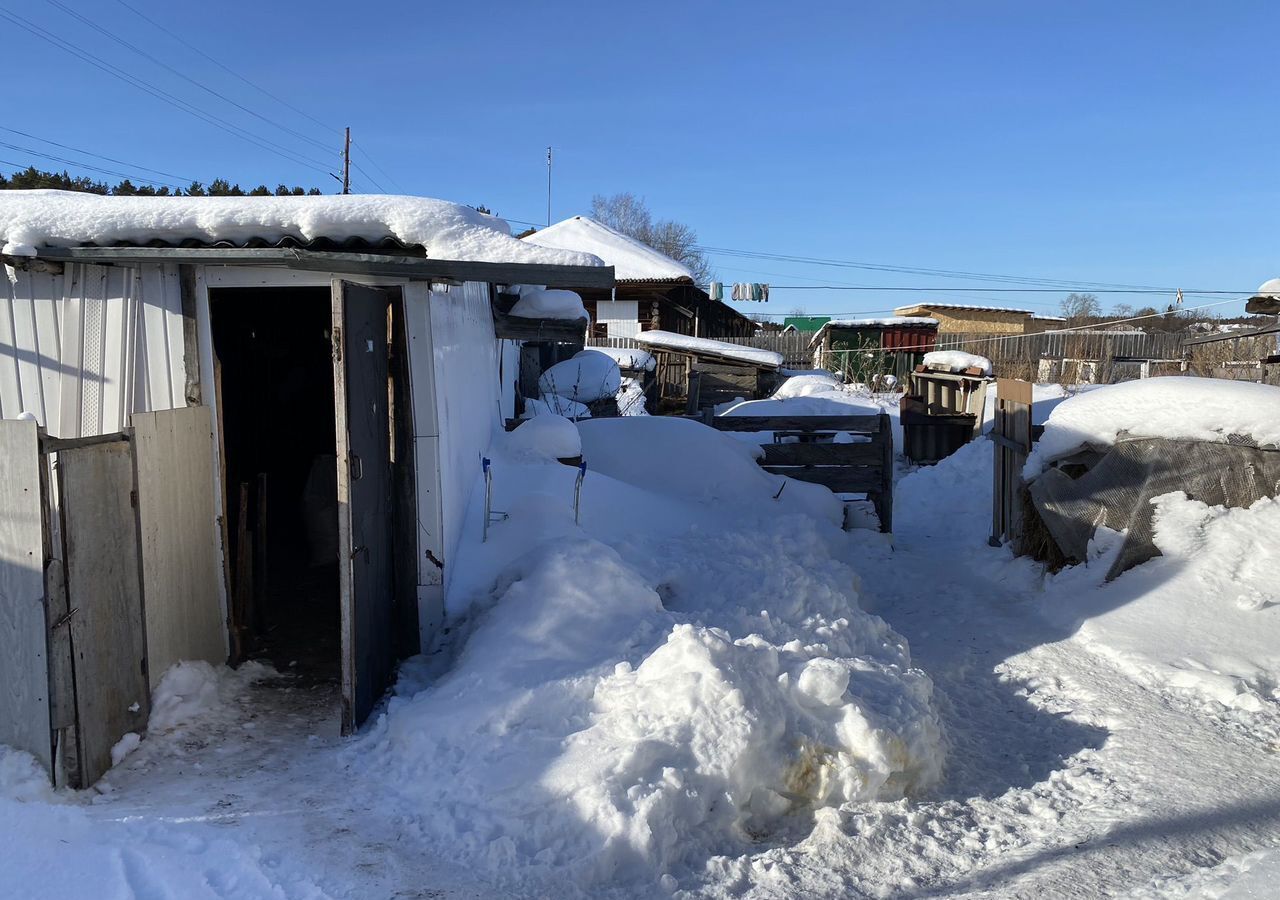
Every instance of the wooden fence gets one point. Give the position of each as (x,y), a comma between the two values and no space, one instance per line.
(1012,434)
(853,468)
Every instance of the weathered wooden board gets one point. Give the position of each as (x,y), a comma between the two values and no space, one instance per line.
(865,454)
(24,669)
(854,424)
(107,637)
(179,537)
(839,479)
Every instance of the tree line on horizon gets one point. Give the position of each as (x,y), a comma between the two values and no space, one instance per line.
(32,178)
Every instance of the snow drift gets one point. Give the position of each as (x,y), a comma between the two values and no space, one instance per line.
(683,675)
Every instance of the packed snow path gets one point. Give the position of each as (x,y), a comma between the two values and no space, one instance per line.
(1065,777)
(255,800)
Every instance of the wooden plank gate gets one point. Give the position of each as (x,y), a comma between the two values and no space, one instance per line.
(108,575)
(1012,435)
(853,468)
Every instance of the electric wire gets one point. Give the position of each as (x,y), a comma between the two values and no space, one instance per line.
(121,162)
(223,97)
(227,69)
(160,94)
(99,169)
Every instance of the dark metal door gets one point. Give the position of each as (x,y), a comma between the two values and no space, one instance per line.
(365,505)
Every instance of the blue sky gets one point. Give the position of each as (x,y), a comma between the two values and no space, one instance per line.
(1131,143)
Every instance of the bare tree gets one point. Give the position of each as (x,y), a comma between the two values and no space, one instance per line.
(1122,310)
(1081,306)
(629,214)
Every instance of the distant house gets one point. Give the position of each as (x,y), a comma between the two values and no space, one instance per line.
(960,317)
(652,293)
(1040,323)
(862,349)
(805,324)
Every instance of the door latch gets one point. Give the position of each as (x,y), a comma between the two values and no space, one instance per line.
(357,467)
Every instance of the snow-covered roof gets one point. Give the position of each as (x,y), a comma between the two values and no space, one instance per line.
(668,340)
(631,260)
(1043,317)
(962,307)
(30,220)
(874,322)
(884,321)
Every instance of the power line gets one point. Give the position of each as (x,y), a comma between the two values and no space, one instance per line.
(227,69)
(381,171)
(145,55)
(95,155)
(183,105)
(72,162)
(919,270)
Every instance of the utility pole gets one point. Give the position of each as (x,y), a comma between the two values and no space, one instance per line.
(346,163)
(548,187)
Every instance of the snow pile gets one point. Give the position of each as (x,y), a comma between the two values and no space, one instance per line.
(547,304)
(830,402)
(22,778)
(586,377)
(682,676)
(190,690)
(631,260)
(956,361)
(545,437)
(551,405)
(33,219)
(1203,617)
(630,358)
(1175,407)
(805,385)
(683,343)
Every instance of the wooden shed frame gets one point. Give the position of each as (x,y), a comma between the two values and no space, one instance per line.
(448,321)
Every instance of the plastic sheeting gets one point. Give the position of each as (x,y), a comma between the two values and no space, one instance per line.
(1119,484)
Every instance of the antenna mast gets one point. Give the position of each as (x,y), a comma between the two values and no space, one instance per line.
(548,187)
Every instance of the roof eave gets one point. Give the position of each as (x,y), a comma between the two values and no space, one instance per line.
(377,264)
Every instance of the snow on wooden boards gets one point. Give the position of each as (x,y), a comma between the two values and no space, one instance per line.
(180,568)
(24,671)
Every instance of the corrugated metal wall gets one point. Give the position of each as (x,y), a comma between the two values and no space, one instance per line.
(84,349)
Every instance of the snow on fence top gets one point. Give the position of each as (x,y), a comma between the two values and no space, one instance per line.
(683,343)
(32,219)
(631,260)
(1176,407)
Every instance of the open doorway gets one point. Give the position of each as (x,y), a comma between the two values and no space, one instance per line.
(274,368)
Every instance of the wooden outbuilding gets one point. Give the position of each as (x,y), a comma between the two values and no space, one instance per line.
(867,350)
(972,319)
(233,427)
(698,373)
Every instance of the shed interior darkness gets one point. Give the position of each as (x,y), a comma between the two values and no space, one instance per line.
(274,359)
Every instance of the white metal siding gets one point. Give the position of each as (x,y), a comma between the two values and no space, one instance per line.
(30,345)
(621,318)
(465,352)
(85,349)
